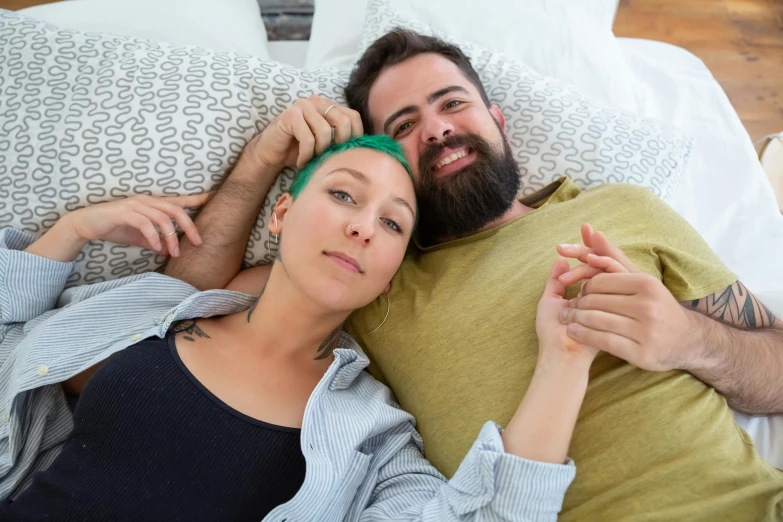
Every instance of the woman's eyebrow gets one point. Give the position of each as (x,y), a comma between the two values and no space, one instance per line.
(355,173)
(366,181)
(402,202)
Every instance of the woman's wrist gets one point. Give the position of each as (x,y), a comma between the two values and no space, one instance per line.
(60,243)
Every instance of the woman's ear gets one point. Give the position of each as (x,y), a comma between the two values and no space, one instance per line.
(278,214)
(387,289)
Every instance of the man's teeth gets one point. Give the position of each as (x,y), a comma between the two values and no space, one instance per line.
(452,157)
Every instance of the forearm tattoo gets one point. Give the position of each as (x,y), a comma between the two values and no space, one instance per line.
(189,327)
(735,306)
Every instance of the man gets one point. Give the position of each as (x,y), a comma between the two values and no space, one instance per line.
(655,438)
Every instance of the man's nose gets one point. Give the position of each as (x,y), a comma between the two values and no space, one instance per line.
(436,129)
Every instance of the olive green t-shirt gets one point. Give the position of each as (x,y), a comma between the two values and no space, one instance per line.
(459,348)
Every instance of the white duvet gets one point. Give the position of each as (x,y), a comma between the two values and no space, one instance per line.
(725,195)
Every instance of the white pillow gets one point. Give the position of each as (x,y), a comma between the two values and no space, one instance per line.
(89,117)
(556,131)
(221,25)
(570,40)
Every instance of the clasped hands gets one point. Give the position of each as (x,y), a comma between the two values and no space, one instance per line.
(620,309)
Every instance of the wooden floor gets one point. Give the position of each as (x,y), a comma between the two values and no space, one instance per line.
(741,41)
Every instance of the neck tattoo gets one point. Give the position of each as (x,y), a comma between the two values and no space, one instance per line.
(253,308)
(329,344)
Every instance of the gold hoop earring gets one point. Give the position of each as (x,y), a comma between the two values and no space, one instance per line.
(388,309)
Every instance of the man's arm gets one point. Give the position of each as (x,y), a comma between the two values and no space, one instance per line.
(739,343)
(729,339)
(225,223)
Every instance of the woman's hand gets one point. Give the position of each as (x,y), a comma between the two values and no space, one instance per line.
(136,221)
(598,254)
(553,340)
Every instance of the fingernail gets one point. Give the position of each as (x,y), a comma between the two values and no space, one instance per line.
(572,329)
(158,246)
(198,238)
(175,252)
(564,315)
(565,245)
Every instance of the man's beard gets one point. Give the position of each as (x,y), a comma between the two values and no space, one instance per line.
(467,200)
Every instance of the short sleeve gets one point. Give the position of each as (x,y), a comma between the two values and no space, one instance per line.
(689,268)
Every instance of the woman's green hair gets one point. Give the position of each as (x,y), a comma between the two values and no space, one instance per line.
(379,142)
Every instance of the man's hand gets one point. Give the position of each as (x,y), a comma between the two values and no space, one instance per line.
(621,310)
(633,317)
(302,131)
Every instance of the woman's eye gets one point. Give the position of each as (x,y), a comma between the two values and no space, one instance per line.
(452,104)
(392,225)
(341,195)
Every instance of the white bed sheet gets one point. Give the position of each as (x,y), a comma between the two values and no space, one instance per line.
(725,194)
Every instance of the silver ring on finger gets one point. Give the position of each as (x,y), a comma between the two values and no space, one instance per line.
(170,234)
(329,108)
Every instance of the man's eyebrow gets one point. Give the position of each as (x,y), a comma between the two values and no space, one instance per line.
(432,98)
(355,173)
(405,110)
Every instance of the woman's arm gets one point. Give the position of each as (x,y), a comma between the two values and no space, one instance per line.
(519,476)
(136,221)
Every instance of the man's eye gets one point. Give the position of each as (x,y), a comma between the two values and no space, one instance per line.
(402,128)
(452,104)
(341,195)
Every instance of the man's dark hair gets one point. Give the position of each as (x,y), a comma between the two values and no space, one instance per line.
(392,48)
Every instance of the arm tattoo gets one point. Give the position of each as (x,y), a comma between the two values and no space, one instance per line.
(190,327)
(329,344)
(734,306)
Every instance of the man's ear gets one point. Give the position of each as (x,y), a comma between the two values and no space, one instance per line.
(494,110)
(278,214)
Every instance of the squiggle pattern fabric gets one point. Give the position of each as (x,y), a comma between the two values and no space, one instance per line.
(556,131)
(87,117)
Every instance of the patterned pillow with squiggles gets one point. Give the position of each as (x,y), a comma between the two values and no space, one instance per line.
(87,117)
(556,131)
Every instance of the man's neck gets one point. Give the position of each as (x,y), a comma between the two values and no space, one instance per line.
(516,210)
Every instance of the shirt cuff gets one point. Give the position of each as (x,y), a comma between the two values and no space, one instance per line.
(29,284)
(517,488)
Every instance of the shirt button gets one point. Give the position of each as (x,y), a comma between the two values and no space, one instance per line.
(43,370)
(5,416)
(136,337)
(337,382)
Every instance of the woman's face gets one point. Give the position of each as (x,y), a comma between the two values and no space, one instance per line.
(344,237)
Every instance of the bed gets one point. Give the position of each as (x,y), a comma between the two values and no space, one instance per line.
(724,194)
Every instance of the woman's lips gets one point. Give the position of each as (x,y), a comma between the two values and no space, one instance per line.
(345,261)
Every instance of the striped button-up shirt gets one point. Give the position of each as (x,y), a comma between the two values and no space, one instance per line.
(364,457)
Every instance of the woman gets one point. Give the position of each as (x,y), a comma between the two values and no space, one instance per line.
(264,412)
